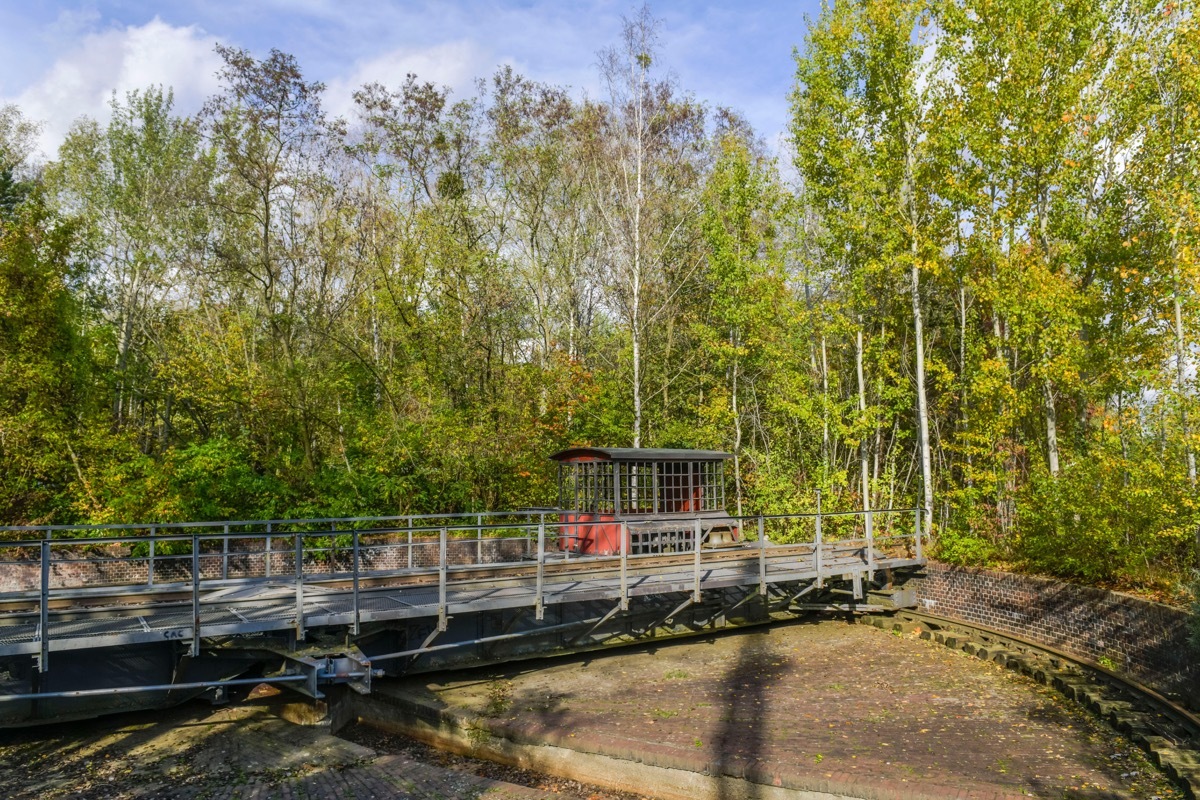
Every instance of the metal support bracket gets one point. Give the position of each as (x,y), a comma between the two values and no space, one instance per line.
(611,613)
(670,617)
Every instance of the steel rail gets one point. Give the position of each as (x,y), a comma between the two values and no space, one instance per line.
(168,687)
(1182,716)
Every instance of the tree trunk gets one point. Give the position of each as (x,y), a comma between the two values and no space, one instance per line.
(1180,377)
(862,412)
(737,426)
(826,444)
(1051,429)
(918,329)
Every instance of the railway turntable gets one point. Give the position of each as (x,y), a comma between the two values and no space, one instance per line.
(96,619)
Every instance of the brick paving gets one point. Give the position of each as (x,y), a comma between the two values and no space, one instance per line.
(830,707)
(241,752)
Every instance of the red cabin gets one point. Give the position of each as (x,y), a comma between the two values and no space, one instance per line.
(658,494)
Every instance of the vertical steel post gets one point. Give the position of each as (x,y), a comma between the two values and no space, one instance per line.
(268,567)
(817,547)
(624,566)
(410,543)
(917,530)
(195,595)
(542,522)
(150,566)
(225,555)
(870,545)
(539,605)
(44,610)
(442,580)
(479,538)
(762,557)
(299,564)
(354,567)
(696,561)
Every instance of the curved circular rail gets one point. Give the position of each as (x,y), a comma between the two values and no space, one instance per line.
(1169,733)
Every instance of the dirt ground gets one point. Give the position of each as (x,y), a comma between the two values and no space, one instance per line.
(826,700)
(242,751)
(829,699)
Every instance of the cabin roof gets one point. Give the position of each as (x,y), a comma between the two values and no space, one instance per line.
(640,454)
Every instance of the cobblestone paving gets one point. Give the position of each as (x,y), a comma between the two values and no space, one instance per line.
(833,704)
(241,752)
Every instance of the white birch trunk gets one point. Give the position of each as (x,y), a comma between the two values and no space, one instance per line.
(862,411)
(1051,429)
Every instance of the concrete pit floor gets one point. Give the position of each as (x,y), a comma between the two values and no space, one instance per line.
(829,706)
(857,706)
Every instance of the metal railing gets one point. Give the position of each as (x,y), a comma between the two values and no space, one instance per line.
(195,558)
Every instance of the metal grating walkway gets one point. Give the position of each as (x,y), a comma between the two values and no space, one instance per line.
(265,606)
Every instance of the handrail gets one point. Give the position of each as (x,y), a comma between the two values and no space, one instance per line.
(274,523)
(397,550)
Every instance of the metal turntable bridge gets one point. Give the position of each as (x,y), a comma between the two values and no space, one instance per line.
(91,616)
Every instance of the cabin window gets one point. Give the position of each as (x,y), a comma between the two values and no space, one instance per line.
(636,482)
(641,487)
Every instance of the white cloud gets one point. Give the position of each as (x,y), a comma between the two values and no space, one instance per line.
(455,64)
(81,81)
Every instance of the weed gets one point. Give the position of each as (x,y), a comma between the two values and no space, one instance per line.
(676,674)
(818,758)
(1107,663)
(499,697)
(662,714)
(478,735)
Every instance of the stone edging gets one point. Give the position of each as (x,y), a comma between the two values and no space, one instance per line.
(1146,640)
(673,774)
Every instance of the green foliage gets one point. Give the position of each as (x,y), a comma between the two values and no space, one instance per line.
(258,312)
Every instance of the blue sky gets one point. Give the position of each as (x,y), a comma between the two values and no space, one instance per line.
(63,60)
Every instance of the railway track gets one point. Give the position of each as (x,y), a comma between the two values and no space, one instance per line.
(1169,733)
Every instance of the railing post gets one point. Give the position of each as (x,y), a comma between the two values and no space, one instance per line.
(410,543)
(539,604)
(870,545)
(225,555)
(268,551)
(817,547)
(44,610)
(299,564)
(917,530)
(195,595)
(355,568)
(150,565)
(696,561)
(624,566)
(442,622)
(762,557)
(479,538)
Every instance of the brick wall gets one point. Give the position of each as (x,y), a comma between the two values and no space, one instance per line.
(1146,640)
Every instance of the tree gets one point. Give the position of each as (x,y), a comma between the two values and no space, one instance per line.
(643,154)
(135,188)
